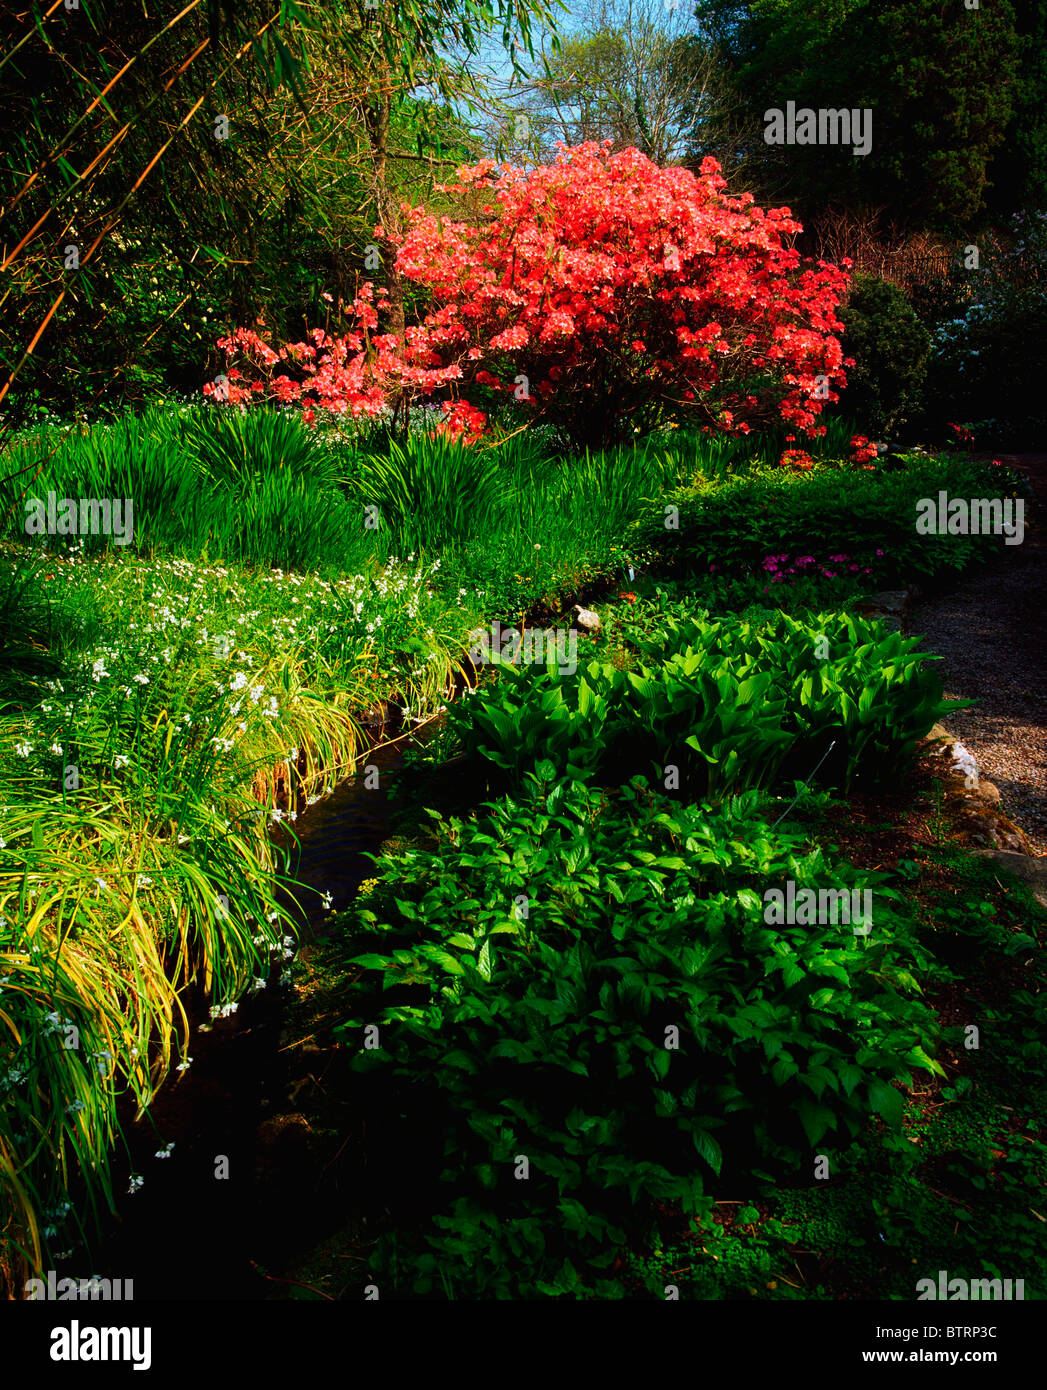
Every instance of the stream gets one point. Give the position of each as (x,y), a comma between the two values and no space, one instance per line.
(189,1232)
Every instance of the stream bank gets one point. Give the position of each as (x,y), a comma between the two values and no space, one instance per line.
(234,1197)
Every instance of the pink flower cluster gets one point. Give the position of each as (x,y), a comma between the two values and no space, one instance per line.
(781,569)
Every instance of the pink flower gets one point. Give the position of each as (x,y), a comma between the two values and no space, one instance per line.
(511,338)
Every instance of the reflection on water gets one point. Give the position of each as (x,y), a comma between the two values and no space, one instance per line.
(337,833)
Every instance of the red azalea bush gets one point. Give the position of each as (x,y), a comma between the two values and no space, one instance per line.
(862,449)
(589,291)
(796,458)
(963,436)
(464,422)
(357,373)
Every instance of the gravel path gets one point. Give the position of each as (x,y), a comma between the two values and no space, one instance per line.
(992,633)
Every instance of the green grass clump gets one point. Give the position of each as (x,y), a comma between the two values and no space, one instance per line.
(147,708)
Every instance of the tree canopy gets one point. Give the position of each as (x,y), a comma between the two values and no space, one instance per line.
(945,84)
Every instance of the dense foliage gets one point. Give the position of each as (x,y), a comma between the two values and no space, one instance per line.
(210,163)
(633,1029)
(716,707)
(890,348)
(981,369)
(811,521)
(564,1020)
(949,87)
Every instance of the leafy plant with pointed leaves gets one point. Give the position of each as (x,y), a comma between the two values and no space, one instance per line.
(587,982)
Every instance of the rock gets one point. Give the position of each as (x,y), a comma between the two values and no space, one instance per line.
(1005,835)
(961,761)
(893,601)
(890,606)
(985,825)
(380,714)
(587,620)
(961,770)
(975,802)
(282,1129)
(1031,868)
(285,1143)
(989,790)
(297,1087)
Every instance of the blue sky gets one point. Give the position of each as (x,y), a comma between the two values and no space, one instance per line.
(496,60)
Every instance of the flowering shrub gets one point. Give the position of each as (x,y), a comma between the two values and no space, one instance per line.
(464,423)
(356,373)
(589,291)
(963,436)
(796,458)
(862,450)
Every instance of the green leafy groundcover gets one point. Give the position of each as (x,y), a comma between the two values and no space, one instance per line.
(731,704)
(582,987)
(868,517)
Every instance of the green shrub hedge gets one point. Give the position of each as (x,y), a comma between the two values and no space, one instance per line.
(890,347)
(867,517)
